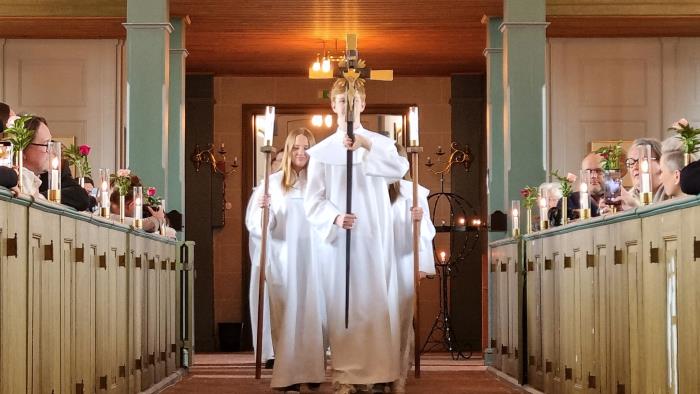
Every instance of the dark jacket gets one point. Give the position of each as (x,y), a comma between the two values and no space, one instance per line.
(690,178)
(8,177)
(572,204)
(71,193)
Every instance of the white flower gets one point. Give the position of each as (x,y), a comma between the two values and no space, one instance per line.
(571,177)
(123,172)
(11,121)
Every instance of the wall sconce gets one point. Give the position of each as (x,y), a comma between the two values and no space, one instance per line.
(209,156)
(320,120)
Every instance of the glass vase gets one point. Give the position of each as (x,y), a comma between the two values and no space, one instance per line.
(612,187)
(528,220)
(122,207)
(687,159)
(19,163)
(564,210)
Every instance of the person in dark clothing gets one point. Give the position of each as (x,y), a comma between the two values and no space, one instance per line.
(72,194)
(8,177)
(591,166)
(5,113)
(690,178)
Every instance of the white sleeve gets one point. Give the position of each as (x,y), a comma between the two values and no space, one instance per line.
(384,161)
(427,233)
(320,212)
(253,214)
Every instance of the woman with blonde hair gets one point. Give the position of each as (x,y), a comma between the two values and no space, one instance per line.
(292,275)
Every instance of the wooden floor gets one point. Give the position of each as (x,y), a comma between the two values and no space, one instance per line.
(235,373)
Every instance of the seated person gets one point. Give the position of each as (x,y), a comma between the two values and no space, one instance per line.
(8,177)
(690,178)
(671,165)
(629,199)
(591,166)
(152,218)
(6,113)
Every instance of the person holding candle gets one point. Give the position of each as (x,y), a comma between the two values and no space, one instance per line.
(152,218)
(367,351)
(589,182)
(403,213)
(292,274)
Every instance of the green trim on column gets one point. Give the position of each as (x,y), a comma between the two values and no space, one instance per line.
(148,44)
(524,116)
(494,120)
(175,193)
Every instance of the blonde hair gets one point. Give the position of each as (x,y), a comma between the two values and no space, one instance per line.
(340,86)
(290,177)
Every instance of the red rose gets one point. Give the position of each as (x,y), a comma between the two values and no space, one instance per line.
(84,150)
(525,193)
(151,191)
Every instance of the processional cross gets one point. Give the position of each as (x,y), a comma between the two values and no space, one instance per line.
(354,71)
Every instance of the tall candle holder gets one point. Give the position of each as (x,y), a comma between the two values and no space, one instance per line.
(54,190)
(544,209)
(138,207)
(584,196)
(104,193)
(515,216)
(645,195)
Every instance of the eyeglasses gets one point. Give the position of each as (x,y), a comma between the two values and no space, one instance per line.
(46,146)
(632,162)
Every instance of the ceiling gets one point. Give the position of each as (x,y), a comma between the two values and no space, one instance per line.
(282,37)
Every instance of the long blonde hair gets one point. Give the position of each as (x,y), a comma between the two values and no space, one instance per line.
(289,177)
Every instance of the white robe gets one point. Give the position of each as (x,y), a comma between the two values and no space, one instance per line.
(368,350)
(403,232)
(253,220)
(294,283)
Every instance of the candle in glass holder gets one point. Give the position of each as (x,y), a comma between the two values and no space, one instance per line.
(54,190)
(104,193)
(413,126)
(138,207)
(515,216)
(645,194)
(544,221)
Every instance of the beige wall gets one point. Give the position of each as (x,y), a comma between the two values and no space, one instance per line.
(432,95)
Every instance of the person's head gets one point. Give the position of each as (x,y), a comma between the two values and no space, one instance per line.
(552,190)
(36,154)
(295,158)
(590,165)
(5,114)
(128,198)
(338,97)
(632,162)
(671,166)
(276,163)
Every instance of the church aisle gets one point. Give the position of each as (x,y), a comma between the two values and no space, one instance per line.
(234,373)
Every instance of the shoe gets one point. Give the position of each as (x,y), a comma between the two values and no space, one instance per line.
(314,386)
(399,386)
(341,388)
(270,363)
(293,389)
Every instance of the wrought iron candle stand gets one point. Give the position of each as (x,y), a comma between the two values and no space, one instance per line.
(463,238)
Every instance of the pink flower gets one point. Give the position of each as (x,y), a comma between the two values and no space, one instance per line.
(680,124)
(151,191)
(124,172)
(571,177)
(84,150)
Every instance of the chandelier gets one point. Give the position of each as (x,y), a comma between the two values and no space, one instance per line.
(323,66)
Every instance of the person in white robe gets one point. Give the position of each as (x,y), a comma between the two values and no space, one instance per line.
(401,197)
(367,351)
(252,219)
(292,275)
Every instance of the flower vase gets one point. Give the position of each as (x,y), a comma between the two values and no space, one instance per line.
(122,207)
(564,210)
(687,159)
(81,181)
(528,220)
(19,163)
(612,188)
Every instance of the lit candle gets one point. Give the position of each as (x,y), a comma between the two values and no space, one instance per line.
(584,203)
(461,221)
(413,126)
(443,255)
(138,203)
(646,177)
(544,222)
(54,172)
(104,193)
(328,120)
(269,124)
(54,189)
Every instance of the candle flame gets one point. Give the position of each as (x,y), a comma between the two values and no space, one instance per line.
(515,212)
(442,256)
(54,163)
(138,201)
(543,202)
(584,187)
(645,166)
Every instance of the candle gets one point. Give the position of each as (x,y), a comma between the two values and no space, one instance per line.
(544,222)
(461,221)
(646,177)
(54,173)
(584,203)
(442,256)
(269,124)
(515,217)
(54,189)
(138,202)
(413,126)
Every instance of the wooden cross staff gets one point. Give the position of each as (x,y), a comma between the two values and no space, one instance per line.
(353,70)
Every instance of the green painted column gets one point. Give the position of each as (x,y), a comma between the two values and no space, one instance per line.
(148,31)
(175,181)
(494,120)
(524,94)
(494,145)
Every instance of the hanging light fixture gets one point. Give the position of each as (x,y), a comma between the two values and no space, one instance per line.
(316,67)
(328,120)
